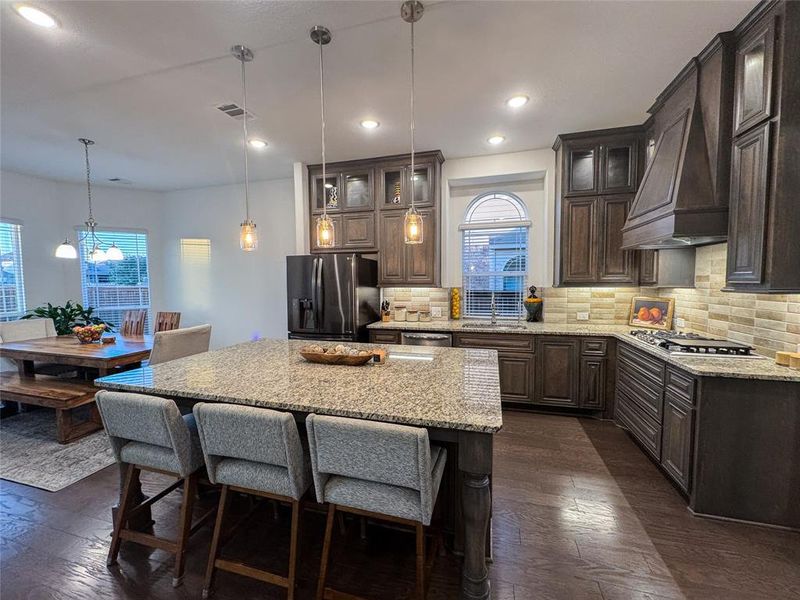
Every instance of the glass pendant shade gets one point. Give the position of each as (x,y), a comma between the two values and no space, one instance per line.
(114,253)
(248,237)
(97,255)
(326,233)
(412,227)
(66,250)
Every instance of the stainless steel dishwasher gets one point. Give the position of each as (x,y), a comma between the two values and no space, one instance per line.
(426,339)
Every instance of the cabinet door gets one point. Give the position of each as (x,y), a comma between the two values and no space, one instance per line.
(593,383)
(421,258)
(648,267)
(747,220)
(615,265)
(324,193)
(392,187)
(338,234)
(384,337)
(557,366)
(422,182)
(358,231)
(677,439)
(358,188)
(582,169)
(392,249)
(578,241)
(753,99)
(618,167)
(516,376)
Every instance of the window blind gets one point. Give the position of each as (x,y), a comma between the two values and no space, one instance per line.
(494,256)
(12,285)
(112,287)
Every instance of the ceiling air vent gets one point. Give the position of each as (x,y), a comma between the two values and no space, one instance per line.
(235,111)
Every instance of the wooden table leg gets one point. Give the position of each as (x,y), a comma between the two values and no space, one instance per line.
(144,518)
(475,464)
(26,368)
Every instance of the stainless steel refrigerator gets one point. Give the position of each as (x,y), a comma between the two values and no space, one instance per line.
(332,296)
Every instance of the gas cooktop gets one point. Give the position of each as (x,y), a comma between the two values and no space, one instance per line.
(693,344)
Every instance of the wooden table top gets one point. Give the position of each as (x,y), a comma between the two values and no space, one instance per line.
(66,349)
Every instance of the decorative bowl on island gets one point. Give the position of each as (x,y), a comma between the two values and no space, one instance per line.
(88,334)
(336,355)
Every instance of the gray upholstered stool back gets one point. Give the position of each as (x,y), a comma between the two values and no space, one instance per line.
(149,431)
(368,451)
(253,448)
(177,343)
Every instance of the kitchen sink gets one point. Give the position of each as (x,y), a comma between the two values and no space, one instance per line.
(484,325)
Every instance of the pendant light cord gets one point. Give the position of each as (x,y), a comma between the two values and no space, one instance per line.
(412,115)
(88,178)
(244,133)
(322,114)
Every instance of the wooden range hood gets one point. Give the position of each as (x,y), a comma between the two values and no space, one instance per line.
(683,198)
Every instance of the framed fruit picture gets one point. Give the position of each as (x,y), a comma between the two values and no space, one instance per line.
(655,313)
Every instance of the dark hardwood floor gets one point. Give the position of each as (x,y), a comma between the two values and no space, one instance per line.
(579,513)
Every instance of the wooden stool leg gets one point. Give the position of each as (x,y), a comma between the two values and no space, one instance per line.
(326,550)
(420,561)
(63,425)
(293,549)
(124,504)
(215,539)
(185,525)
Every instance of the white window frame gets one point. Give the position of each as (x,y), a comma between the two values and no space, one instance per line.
(18,291)
(476,301)
(106,236)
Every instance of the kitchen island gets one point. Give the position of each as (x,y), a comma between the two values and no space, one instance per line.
(454,393)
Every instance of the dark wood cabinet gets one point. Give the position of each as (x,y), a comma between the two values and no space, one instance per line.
(601,165)
(357,188)
(420,259)
(754,69)
(403,264)
(578,241)
(358,231)
(648,267)
(395,182)
(618,166)
(392,258)
(615,265)
(322,194)
(384,336)
(592,392)
(677,439)
(516,376)
(747,224)
(582,170)
(337,231)
(557,366)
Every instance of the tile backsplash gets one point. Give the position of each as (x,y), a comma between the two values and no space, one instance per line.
(420,299)
(768,322)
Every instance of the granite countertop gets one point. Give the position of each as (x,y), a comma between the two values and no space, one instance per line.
(451,388)
(737,368)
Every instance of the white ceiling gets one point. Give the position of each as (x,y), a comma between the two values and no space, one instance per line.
(142,79)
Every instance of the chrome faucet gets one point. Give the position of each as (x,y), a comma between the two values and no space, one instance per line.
(494,311)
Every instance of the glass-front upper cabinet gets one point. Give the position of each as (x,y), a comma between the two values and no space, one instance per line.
(396,183)
(327,194)
(581,170)
(357,189)
(618,167)
(754,77)
(422,182)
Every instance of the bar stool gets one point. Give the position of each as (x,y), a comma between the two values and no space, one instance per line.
(379,470)
(253,451)
(148,434)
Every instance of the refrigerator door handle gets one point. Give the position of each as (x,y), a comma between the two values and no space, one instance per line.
(318,288)
(314,299)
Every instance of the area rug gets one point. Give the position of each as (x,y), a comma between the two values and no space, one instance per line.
(29,453)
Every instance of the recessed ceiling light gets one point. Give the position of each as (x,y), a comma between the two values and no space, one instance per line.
(257,143)
(370,124)
(35,16)
(496,139)
(517,101)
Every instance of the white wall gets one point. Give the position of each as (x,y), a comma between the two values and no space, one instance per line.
(530,175)
(50,210)
(242,294)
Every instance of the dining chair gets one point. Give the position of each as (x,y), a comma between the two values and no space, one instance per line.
(133,322)
(167,321)
(169,345)
(378,470)
(148,433)
(258,452)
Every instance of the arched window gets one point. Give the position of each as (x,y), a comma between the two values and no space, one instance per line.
(494,255)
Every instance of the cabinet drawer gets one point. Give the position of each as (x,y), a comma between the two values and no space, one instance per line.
(384,337)
(594,346)
(648,434)
(514,341)
(645,365)
(680,384)
(649,398)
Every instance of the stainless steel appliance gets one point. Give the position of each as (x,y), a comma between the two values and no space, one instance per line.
(426,339)
(693,344)
(332,296)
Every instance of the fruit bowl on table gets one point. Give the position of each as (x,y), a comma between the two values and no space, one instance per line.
(89,334)
(336,355)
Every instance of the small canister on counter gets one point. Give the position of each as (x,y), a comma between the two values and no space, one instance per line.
(425,316)
(399,312)
(412,316)
(455,303)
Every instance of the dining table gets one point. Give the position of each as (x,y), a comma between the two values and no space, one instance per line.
(454,393)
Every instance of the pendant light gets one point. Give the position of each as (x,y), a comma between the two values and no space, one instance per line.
(411,11)
(96,254)
(248,236)
(326,234)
